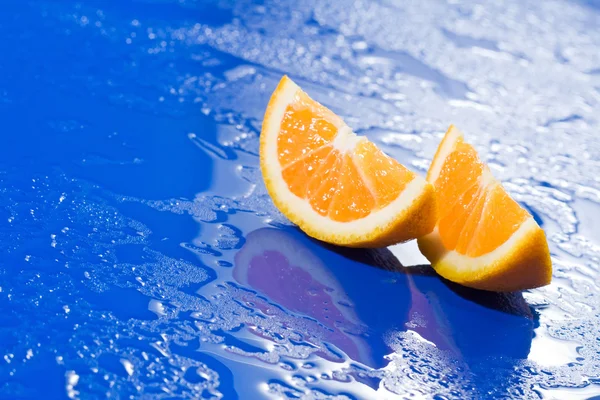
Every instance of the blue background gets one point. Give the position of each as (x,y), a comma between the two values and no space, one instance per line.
(133,210)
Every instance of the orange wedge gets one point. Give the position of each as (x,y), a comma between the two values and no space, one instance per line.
(483,238)
(336,186)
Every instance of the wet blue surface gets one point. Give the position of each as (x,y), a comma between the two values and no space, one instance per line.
(142,258)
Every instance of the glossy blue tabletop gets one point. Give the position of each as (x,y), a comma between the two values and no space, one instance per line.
(141,257)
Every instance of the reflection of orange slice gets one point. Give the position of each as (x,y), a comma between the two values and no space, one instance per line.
(483,238)
(428,319)
(470,324)
(336,186)
(282,268)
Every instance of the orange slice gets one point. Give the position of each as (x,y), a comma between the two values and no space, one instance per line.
(336,186)
(483,238)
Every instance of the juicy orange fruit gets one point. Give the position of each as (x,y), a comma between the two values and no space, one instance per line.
(483,238)
(336,186)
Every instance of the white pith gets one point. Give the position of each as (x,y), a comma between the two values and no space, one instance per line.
(345,141)
(446,148)
(486,180)
(466,263)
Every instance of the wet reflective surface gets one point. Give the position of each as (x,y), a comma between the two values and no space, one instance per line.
(141,256)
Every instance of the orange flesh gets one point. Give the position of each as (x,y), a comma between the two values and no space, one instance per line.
(476,215)
(325,185)
(306,126)
(342,185)
(353,200)
(384,175)
(299,173)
